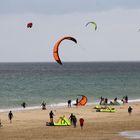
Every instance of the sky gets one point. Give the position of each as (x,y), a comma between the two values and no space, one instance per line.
(117,37)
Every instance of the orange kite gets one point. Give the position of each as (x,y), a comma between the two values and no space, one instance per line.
(83,101)
(56,46)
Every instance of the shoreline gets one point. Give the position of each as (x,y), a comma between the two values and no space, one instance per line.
(31,124)
(58,105)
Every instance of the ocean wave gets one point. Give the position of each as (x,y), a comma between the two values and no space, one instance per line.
(33,107)
(131,134)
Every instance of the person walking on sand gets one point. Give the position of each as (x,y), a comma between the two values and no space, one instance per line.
(0,123)
(71,118)
(130,110)
(51,116)
(10,116)
(81,120)
(74,121)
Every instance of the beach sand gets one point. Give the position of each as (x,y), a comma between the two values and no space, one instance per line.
(31,124)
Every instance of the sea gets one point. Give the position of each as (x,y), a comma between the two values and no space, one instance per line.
(55,84)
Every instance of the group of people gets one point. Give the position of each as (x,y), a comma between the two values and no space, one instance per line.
(104,101)
(69,102)
(73,119)
(10,114)
(125,99)
(43,105)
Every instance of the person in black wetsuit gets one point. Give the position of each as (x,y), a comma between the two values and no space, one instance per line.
(10,115)
(130,110)
(23,104)
(51,114)
(69,103)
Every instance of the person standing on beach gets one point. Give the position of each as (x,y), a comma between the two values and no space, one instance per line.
(74,121)
(51,116)
(77,102)
(130,110)
(106,101)
(126,99)
(0,123)
(81,120)
(69,103)
(101,100)
(71,118)
(10,116)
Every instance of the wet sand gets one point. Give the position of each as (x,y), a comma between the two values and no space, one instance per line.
(31,124)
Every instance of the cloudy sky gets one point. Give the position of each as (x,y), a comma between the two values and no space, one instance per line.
(117,37)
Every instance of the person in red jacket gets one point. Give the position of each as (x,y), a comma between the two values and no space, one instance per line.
(81,120)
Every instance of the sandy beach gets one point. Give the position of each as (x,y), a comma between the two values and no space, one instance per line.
(31,124)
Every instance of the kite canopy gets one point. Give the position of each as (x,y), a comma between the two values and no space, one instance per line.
(108,109)
(29,25)
(83,101)
(56,46)
(93,23)
(63,121)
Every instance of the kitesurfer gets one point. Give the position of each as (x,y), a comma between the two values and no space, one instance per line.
(23,104)
(77,102)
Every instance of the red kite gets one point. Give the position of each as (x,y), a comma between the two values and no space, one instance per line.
(29,25)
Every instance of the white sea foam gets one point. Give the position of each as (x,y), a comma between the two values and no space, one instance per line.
(131,134)
(56,105)
(135,100)
(20,109)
